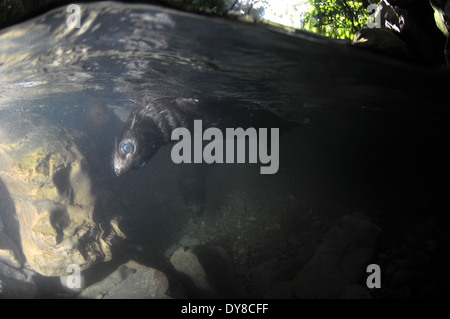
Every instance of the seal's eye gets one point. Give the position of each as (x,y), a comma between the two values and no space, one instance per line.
(127,148)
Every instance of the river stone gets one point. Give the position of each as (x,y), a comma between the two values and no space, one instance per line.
(186,262)
(16,283)
(208,272)
(47,178)
(340,261)
(356,292)
(130,281)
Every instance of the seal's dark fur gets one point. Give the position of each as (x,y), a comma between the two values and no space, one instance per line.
(150,125)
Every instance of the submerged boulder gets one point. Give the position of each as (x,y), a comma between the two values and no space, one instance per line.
(17,283)
(130,281)
(48,181)
(206,272)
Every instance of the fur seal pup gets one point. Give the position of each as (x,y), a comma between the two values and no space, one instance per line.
(150,125)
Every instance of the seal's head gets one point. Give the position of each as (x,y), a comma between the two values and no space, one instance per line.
(139,141)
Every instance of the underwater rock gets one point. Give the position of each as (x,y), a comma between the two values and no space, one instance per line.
(47,179)
(272,271)
(130,281)
(208,272)
(339,262)
(9,251)
(71,285)
(382,40)
(16,283)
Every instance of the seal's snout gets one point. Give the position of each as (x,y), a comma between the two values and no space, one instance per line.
(117,171)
